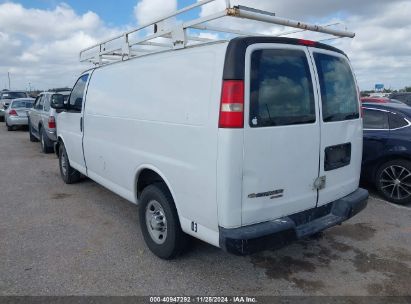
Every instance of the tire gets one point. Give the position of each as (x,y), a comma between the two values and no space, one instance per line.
(9,128)
(46,146)
(68,174)
(32,137)
(157,208)
(393,181)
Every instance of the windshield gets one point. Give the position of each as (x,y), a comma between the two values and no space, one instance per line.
(13,95)
(22,104)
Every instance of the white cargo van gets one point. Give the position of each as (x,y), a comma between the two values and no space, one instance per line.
(245,144)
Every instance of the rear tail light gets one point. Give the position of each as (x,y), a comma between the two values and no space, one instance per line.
(52,122)
(13,113)
(232,104)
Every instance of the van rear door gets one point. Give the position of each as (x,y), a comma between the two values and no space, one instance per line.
(341,126)
(281,132)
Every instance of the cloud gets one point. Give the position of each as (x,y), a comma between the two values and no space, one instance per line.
(41,47)
(381,51)
(148,10)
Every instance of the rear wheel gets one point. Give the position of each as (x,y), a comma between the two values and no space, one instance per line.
(393,181)
(9,128)
(68,174)
(159,222)
(46,145)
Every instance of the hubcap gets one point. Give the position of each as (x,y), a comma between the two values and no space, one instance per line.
(395,182)
(156,222)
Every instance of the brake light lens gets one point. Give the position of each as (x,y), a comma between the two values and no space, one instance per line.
(232,104)
(52,122)
(13,113)
(307,42)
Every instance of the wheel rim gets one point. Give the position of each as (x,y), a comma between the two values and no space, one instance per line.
(156,222)
(64,163)
(395,182)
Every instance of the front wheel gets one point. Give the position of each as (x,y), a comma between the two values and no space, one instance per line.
(159,222)
(68,174)
(393,181)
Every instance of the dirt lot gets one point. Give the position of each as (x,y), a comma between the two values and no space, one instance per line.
(82,239)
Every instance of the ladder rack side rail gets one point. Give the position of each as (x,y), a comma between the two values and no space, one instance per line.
(225,30)
(304,30)
(287,22)
(183,10)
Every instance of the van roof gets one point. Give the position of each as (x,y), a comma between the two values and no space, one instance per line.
(235,57)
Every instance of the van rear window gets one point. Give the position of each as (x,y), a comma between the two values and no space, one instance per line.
(338,89)
(281,89)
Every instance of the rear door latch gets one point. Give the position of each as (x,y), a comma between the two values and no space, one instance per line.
(319,183)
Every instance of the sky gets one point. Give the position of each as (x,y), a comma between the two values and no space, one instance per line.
(40,40)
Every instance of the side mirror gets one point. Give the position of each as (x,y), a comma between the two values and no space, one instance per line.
(57,102)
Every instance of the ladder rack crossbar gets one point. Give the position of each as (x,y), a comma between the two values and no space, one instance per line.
(178,36)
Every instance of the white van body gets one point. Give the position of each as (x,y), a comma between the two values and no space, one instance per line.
(158,115)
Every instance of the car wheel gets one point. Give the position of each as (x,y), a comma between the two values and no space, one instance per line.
(68,174)
(159,222)
(393,181)
(9,128)
(32,137)
(46,146)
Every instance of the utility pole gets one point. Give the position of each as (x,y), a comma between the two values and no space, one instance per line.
(8,75)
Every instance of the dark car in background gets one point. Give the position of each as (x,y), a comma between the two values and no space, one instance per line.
(387,150)
(405,97)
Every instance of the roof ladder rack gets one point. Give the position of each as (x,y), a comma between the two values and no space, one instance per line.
(124,46)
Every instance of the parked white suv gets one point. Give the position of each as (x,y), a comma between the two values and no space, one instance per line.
(245,144)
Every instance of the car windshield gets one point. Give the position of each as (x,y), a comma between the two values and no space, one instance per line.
(13,95)
(22,104)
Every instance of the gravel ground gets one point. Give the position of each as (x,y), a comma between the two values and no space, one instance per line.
(81,239)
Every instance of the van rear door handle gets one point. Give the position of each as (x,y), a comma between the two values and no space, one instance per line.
(81,124)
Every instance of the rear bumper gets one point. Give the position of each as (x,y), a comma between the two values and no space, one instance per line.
(277,233)
(17,120)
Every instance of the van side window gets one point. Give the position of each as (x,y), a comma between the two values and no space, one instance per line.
(338,89)
(76,97)
(281,89)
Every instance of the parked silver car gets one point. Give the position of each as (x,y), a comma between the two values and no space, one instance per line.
(16,113)
(6,97)
(42,121)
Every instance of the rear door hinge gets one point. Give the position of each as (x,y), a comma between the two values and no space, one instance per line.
(319,183)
